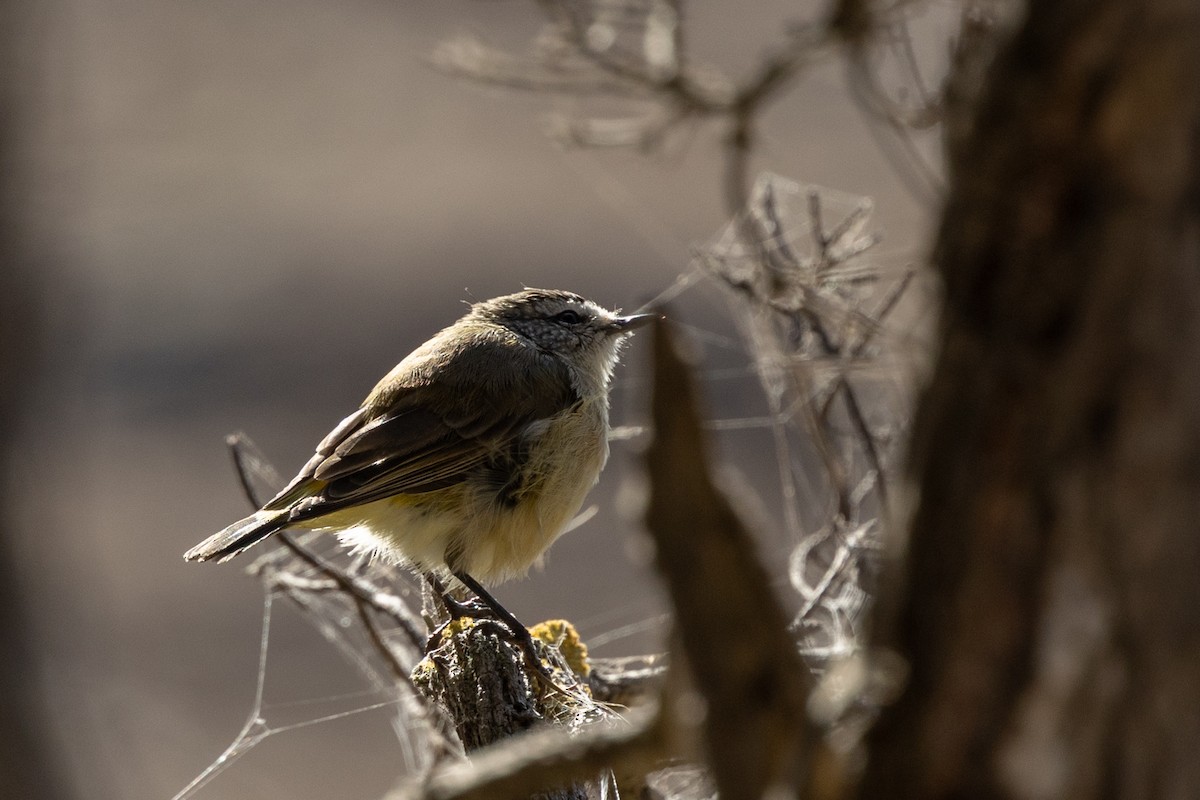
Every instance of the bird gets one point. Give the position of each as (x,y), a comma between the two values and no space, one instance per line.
(472,454)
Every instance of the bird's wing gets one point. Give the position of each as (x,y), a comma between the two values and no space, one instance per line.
(430,432)
(409,452)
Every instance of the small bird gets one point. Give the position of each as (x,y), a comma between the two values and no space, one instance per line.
(473,453)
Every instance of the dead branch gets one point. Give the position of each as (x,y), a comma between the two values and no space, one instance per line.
(743,663)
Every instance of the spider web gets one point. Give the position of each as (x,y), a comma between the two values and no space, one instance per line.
(257,728)
(806,330)
(811,304)
(380,650)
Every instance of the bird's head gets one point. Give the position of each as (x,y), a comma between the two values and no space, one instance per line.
(565,325)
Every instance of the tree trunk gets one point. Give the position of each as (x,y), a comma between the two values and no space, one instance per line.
(1051,616)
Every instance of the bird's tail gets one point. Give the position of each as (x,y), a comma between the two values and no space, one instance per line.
(227,543)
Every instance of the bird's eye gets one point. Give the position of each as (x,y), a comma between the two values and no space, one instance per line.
(569,317)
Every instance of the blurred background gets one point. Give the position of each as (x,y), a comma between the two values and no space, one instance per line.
(238,216)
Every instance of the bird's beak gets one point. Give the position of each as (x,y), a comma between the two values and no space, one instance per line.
(631,322)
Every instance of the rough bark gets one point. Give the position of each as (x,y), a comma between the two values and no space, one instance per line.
(480,681)
(1050,615)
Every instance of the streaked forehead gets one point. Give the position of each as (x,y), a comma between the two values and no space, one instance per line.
(535,302)
(550,297)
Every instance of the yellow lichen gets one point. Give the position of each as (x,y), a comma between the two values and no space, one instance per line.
(457,626)
(562,634)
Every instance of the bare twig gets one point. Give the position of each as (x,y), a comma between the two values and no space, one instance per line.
(248,461)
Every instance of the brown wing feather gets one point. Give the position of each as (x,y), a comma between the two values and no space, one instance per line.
(423,429)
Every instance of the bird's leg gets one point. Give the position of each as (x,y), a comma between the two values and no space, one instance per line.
(501,613)
(487,606)
(454,607)
(520,633)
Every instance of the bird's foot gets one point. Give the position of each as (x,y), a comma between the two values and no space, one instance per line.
(470,609)
(520,638)
(487,609)
(456,609)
